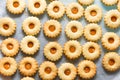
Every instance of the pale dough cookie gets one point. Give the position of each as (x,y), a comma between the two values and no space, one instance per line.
(93,13)
(37,7)
(118,6)
(53,51)
(28,66)
(10,47)
(56,9)
(92,32)
(74,11)
(67,71)
(74,30)
(112,19)
(29,45)
(15,6)
(8,66)
(31,26)
(7,26)
(91,51)
(86,69)
(110,41)
(85,2)
(48,70)
(72,49)
(27,78)
(109,2)
(52,28)
(111,61)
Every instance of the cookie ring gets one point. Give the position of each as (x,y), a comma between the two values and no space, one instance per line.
(48,70)
(37,7)
(109,3)
(74,11)
(28,66)
(112,19)
(7,26)
(10,47)
(110,41)
(15,6)
(93,13)
(91,51)
(56,9)
(31,26)
(86,69)
(85,2)
(111,61)
(74,30)
(67,71)
(8,66)
(92,32)
(27,78)
(52,28)
(72,49)
(53,51)
(29,45)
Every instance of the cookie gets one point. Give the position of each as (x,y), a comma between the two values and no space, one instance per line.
(27,78)
(109,3)
(85,2)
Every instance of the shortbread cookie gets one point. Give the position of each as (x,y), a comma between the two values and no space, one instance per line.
(8,66)
(28,66)
(7,26)
(37,7)
(112,19)
(92,32)
(15,6)
(91,51)
(118,6)
(67,71)
(109,2)
(93,13)
(74,11)
(85,2)
(52,28)
(27,78)
(31,26)
(29,45)
(10,47)
(72,49)
(56,9)
(53,51)
(48,70)
(111,61)
(110,41)
(86,69)
(74,30)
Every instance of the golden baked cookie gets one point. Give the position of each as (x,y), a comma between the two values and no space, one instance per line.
(118,6)
(31,26)
(93,14)
(53,51)
(7,26)
(109,2)
(112,19)
(74,30)
(27,78)
(10,47)
(72,49)
(37,7)
(8,66)
(67,71)
(29,45)
(91,51)
(111,61)
(92,32)
(56,9)
(87,69)
(48,70)
(110,41)
(85,2)
(52,28)
(28,66)
(15,6)
(74,11)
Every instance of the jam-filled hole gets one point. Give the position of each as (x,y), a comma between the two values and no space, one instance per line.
(91,49)
(72,49)
(37,5)
(74,29)
(31,25)
(16,4)
(30,44)
(7,66)
(53,50)
(28,66)
(6,26)
(114,19)
(52,28)
(56,9)
(74,10)
(10,46)
(67,72)
(93,13)
(111,62)
(48,70)
(111,40)
(86,69)
(93,32)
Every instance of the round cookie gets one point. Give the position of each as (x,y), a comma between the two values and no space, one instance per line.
(27,78)
(109,3)
(85,2)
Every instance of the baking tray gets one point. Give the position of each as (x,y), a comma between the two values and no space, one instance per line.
(101,73)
